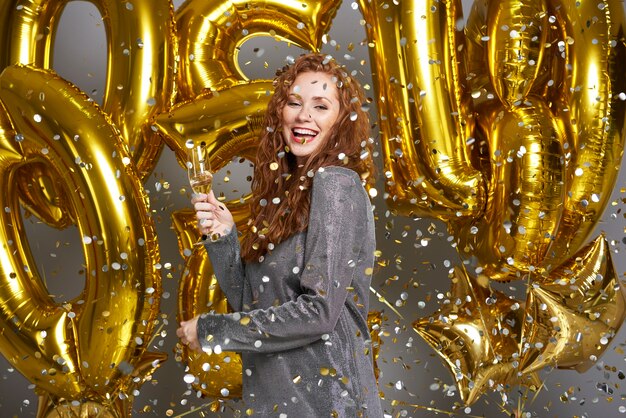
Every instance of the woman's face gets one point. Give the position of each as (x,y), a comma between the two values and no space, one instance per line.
(310,112)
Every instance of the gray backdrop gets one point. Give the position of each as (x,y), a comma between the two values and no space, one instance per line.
(411,372)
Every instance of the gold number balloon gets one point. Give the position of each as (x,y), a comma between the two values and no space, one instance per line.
(140,53)
(526,195)
(217,104)
(423,118)
(590,79)
(514,139)
(559,156)
(198,292)
(92,348)
(540,118)
(526,160)
(210,34)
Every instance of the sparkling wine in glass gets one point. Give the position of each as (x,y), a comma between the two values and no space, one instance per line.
(199,168)
(201,183)
(199,171)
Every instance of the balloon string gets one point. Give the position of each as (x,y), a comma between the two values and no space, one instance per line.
(543,384)
(156,332)
(200,408)
(440,411)
(480,314)
(517,412)
(511,412)
(382,299)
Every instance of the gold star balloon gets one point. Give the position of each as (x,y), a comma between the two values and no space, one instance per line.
(476,333)
(574,313)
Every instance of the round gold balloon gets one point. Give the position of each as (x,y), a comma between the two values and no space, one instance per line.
(140,53)
(51,408)
(96,344)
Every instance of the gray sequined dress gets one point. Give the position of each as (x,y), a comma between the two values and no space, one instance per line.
(300,320)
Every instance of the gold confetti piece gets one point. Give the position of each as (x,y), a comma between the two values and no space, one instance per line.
(245,320)
(274,166)
(297,379)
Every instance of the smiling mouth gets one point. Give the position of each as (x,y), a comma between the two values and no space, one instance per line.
(302,136)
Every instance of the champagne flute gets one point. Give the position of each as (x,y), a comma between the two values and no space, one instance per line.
(199,170)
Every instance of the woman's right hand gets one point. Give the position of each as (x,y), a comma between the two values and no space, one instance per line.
(213,216)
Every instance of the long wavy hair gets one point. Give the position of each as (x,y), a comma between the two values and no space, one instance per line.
(281,187)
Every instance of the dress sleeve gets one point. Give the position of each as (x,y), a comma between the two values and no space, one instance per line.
(338,224)
(225,256)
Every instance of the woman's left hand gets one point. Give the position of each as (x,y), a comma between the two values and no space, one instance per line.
(188,334)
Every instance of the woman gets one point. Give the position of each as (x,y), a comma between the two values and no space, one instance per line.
(299,282)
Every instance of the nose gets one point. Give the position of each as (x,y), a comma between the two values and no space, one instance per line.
(304,114)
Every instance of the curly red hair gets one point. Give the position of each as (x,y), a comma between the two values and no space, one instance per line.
(278,175)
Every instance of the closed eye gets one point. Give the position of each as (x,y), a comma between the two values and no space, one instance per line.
(293,104)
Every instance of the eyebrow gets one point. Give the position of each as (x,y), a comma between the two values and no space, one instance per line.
(297,96)
(322,98)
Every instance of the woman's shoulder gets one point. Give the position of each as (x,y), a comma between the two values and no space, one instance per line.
(336,179)
(334,172)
